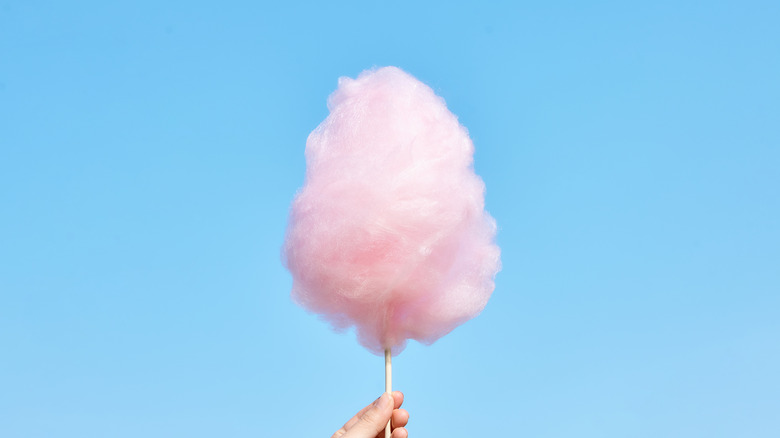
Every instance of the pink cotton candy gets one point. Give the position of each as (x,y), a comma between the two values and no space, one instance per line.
(389,232)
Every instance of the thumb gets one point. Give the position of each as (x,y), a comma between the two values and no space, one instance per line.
(374,419)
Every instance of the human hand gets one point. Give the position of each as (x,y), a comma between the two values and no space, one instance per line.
(370,422)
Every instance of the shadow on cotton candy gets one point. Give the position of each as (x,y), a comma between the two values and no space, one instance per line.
(389,233)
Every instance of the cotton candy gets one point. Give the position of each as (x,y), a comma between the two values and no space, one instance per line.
(389,234)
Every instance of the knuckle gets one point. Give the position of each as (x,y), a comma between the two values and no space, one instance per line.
(371,416)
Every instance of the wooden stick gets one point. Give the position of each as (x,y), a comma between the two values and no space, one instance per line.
(388,384)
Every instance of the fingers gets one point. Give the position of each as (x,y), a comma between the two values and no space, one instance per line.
(400,418)
(398,399)
(399,433)
(348,425)
(373,419)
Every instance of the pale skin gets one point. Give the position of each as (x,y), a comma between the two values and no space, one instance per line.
(370,421)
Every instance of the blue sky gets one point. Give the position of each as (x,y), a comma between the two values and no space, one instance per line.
(149,152)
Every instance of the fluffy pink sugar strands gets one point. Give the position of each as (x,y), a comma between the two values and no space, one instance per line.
(389,232)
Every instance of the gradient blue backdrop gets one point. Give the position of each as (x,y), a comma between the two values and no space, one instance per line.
(149,151)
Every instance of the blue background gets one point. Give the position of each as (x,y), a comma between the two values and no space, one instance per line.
(149,152)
